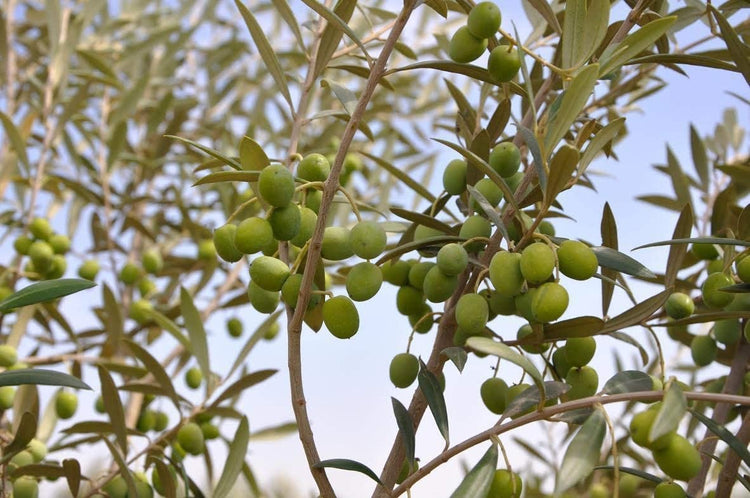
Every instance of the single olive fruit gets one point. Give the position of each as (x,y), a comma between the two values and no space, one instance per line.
(501,305)
(576,260)
(286,222)
(494,392)
(7,394)
(505,159)
(484,20)
(206,250)
(364,281)
(669,490)
(193,377)
(409,300)
(224,243)
(503,63)
(190,438)
(22,244)
(465,47)
(264,301)
(403,370)
(452,259)
(396,272)
(269,273)
(418,272)
(152,261)
(25,487)
(742,266)
(252,235)
(454,177)
(210,431)
(490,191)
(640,428)
(307,221)
(60,243)
(678,459)
(560,362)
(37,449)
(549,302)
(584,382)
(234,327)
(535,347)
(276,185)
(472,313)
(146,421)
(727,331)
(713,266)
(314,168)
(537,263)
(422,321)
(679,305)
(313,199)
(41,255)
(57,267)
(505,484)
(547,228)
(423,233)
(368,239)
(712,295)
(341,317)
(8,355)
(336,245)
(523,304)
(505,273)
(703,350)
(22,459)
(41,228)
(704,251)
(438,286)
(475,226)
(579,350)
(66,404)
(271,331)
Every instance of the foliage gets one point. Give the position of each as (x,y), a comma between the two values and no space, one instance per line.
(162,143)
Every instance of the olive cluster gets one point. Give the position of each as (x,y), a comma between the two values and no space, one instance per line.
(46,252)
(470,41)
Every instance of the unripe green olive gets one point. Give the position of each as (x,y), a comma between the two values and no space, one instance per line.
(314,168)
(403,370)
(713,297)
(505,159)
(285,222)
(501,305)
(503,63)
(269,273)
(576,260)
(418,272)
(452,259)
(679,459)
(8,355)
(422,233)
(669,490)
(341,317)
(22,244)
(484,20)
(60,243)
(37,449)
(465,47)
(264,301)
(146,421)
(190,438)
(193,377)
(409,300)
(679,305)
(252,235)
(422,321)
(438,287)
(396,272)
(308,220)
(367,239)
(25,487)
(535,347)
(537,263)
(234,326)
(494,392)
(505,484)
(505,273)
(743,269)
(313,199)
(523,304)
(472,313)
(41,228)
(224,243)
(560,362)
(276,185)
(640,427)
(489,191)
(66,404)
(704,251)
(364,281)
(41,255)
(547,228)
(579,350)
(584,382)
(206,250)
(549,302)
(152,261)
(7,394)
(454,177)
(703,350)
(727,331)
(336,245)
(475,226)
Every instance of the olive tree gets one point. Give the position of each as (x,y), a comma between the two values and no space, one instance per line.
(282,162)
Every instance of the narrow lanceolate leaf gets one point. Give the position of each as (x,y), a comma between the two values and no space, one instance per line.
(16,142)
(24,433)
(457,355)
(479,479)
(334,30)
(602,138)
(561,170)
(41,377)
(155,369)
(697,240)
(725,435)
(670,413)
(347,98)
(252,155)
(637,313)
(402,176)
(196,333)
(536,153)
(275,432)
(72,470)
(166,478)
(42,292)
(571,105)
(737,49)
(228,176)
(633,44)
(232,163)
(743,223)
(243,383)
(584,27)
(677,252)
(234,460)
(266,52)
(632,341)
(430,387)
(486,345)
(582,326)
(166,324)
(113,407)
(487,208)
(628,381)
(615,260)
(531,397)
(346,464)
(700,158)
(405,429)
(678,177)
(123,466)
(544,9)
(253,340)
(583,453)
